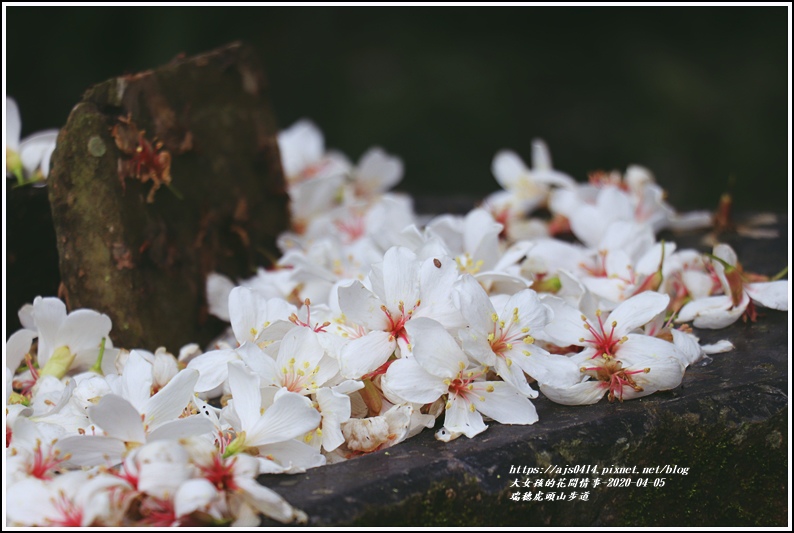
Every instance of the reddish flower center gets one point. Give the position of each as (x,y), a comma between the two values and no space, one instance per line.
(220,473)
(44,463)
(397,322)
(602,339)
(614,376)
(71,515)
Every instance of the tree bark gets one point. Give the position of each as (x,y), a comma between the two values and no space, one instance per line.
(140,253)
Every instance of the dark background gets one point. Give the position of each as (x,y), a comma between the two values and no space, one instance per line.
(696,94)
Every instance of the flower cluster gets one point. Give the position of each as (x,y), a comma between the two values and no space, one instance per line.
(374,325)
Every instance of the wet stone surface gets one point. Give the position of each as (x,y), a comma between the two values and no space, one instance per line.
(727,425)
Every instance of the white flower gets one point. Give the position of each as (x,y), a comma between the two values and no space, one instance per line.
(639,370)
(29,159)
(69,342)
(376,173)
(290,416)
(524,189)
(136,417)
(301,365)
(603,336)
(504,340)
(741,295)
(402,288)
(73,499)
(440,367)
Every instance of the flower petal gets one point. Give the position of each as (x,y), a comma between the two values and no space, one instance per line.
(460,418)
(771,294)
(362,307)
(170,401)
(365,354)
(434,348)
(410,382)
(637,311)
(290,416)
(504,403)
(507,167)
(118,418)
(268,502)
(586,393)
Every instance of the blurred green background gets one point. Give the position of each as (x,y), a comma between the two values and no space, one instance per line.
(696,94)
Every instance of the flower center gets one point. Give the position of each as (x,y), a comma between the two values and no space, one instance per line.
(603,340)
(71,515)
(298,378)
(353,228)
(44,463)
(614,376)
(397,322)
(467,265)
(504,334)
(219,473)
(317,328)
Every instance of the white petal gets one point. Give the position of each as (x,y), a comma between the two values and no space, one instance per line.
(268,502)
(244,386)
(362,307)
(459,418)
(301,145)
(714,312)
(290,457)
(182,428)
(290,416)
(251,313)
(504,403)
(17,346)
(546,368)
(400,278)
(637,311)
(726,253)
(92,450)
(261,363)
(212,368)
(408,380)
(697,283)
(48,314)
(585,393)
(474,304)
(171,400)
(13,124)
(365,354)
(377,171)
(434,348)
(35,148)
(528,309)
(567,326)
(720,346)
(300,344)
(507,167)
(218,289)
(194,495)
(136,380)
(118,418)
(688,345)
(437,290)
(771,294)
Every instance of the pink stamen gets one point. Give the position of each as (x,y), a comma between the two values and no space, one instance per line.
(220,473)
(71,514)
(43,463)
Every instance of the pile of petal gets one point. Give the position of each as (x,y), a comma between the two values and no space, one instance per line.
(375,325)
